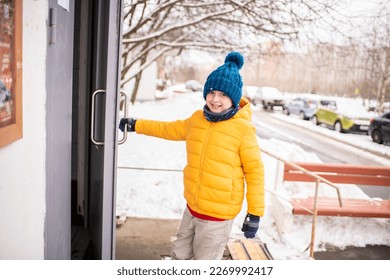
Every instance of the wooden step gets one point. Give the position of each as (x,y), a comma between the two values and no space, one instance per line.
(248,249)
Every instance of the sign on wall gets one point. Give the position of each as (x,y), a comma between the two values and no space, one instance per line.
(10,71)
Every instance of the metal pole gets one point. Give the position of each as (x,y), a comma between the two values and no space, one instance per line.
(313,226)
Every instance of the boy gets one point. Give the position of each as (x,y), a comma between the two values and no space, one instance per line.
(223,157)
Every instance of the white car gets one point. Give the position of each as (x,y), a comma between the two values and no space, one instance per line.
(269,97)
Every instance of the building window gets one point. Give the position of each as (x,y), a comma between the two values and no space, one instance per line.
(11,127)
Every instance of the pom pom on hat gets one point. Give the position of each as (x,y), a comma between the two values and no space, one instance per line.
(236,58)
(226,78)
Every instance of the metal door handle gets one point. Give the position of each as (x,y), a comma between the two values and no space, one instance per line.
(95,93)
(124,94)
(103,91)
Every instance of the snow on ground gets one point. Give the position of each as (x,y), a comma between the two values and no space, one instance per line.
(159,193)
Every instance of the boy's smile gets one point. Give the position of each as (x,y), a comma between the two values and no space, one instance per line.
(217,101)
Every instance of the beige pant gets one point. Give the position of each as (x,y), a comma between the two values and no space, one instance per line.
(200,239)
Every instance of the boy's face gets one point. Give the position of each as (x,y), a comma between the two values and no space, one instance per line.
(217,101)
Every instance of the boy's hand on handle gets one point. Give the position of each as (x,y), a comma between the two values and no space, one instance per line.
(129,122)
(250,225)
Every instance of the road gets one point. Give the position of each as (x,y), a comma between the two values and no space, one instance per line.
(326,148)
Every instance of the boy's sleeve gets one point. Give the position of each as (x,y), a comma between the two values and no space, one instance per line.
(174,130)
(254,172)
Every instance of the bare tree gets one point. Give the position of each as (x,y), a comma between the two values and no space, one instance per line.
(355,58)
(154,28)
(373,49)
(379,55)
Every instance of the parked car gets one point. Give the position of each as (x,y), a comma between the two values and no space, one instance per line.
(302,107)
(269,97)
(342,116)
(380,128)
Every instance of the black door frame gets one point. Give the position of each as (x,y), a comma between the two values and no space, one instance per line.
(104,73)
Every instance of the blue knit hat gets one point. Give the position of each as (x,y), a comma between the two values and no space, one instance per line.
(226,78)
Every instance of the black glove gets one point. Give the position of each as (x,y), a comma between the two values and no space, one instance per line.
(250,225)
(129,122)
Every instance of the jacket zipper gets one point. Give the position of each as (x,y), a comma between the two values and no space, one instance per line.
(201,162)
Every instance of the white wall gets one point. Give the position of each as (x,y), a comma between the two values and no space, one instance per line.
(22,163)
(147,86)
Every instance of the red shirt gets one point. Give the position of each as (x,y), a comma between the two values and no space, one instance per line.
(204,217)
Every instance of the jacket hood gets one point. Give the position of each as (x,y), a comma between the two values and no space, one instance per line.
(245,111)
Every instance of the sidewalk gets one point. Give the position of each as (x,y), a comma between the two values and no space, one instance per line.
(144,238)
(149,239)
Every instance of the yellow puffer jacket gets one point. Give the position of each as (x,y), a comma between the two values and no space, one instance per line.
(219,156)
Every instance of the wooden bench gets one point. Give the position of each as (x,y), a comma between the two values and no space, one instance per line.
(341,174)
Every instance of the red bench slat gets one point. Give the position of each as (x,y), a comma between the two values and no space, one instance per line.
(351,207)
(342,168)
(339,178)
(340,173)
